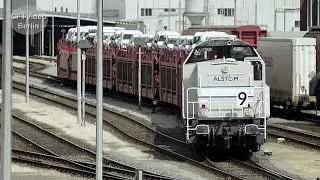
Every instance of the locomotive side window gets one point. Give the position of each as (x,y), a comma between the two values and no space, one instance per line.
(204,53)
(257,70)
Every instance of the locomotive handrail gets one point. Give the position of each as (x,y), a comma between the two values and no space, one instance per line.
(224,90)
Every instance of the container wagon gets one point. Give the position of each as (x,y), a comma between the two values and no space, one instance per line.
(290,66)
(247,33)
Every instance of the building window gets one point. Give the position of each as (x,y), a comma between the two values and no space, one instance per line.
(226,11)
(167,10)
(66,9)
(297,23)
(146,12)
(55,9)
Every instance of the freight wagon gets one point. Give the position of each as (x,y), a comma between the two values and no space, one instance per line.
(247,33)
(160,70)
(290,66)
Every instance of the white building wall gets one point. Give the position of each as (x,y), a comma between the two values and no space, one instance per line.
(116,5)
(159,12)
(265,16)
(159,16)
(245,13)
(86,6)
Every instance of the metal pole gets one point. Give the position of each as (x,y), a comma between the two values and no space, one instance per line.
(138,12)
(99,92)
(78,66)
(52,44)
(179,16)
(311,3)
(256,12)
(6,92)
(308,14)
(42,37)
(284,19)
(235,12)
(275,15)
(318,13)
(139,79)
(169,18)
(275,20)
(27,54)
(83,91)
(139,174)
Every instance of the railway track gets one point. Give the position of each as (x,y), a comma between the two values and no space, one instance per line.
(247,170)
(55,146)
(58,163)
(120,127)
(305,138)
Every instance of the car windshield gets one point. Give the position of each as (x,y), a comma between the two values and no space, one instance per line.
(150,40)
(189,41)
(93,31)
(196,39)
(204,53)
(172,40)
(162,38)
(127,36)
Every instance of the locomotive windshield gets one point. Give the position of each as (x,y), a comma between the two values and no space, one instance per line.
(238,52)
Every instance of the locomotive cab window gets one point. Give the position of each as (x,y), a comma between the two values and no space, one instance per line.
(204,53)
(257,70)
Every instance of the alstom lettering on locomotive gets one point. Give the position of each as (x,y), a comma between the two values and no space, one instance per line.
(226,78)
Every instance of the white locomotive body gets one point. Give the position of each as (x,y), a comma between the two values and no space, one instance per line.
(226,100)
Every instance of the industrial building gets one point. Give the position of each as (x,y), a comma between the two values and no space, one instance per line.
(271,15)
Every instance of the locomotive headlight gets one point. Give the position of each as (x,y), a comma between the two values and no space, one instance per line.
(204,112)
(247,111)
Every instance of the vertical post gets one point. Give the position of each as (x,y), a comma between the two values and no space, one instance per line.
(318,13)
(284,19)
(256,12)
(275,15)
(235,13)
(138,13)
(169,17)
(179,16)
(83,89)
(27,54)
(311,11)
(6,92)
(139,79)
(52,38)
(308,15)
(78,66)
(42,36)
(139,174)
(99,92)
